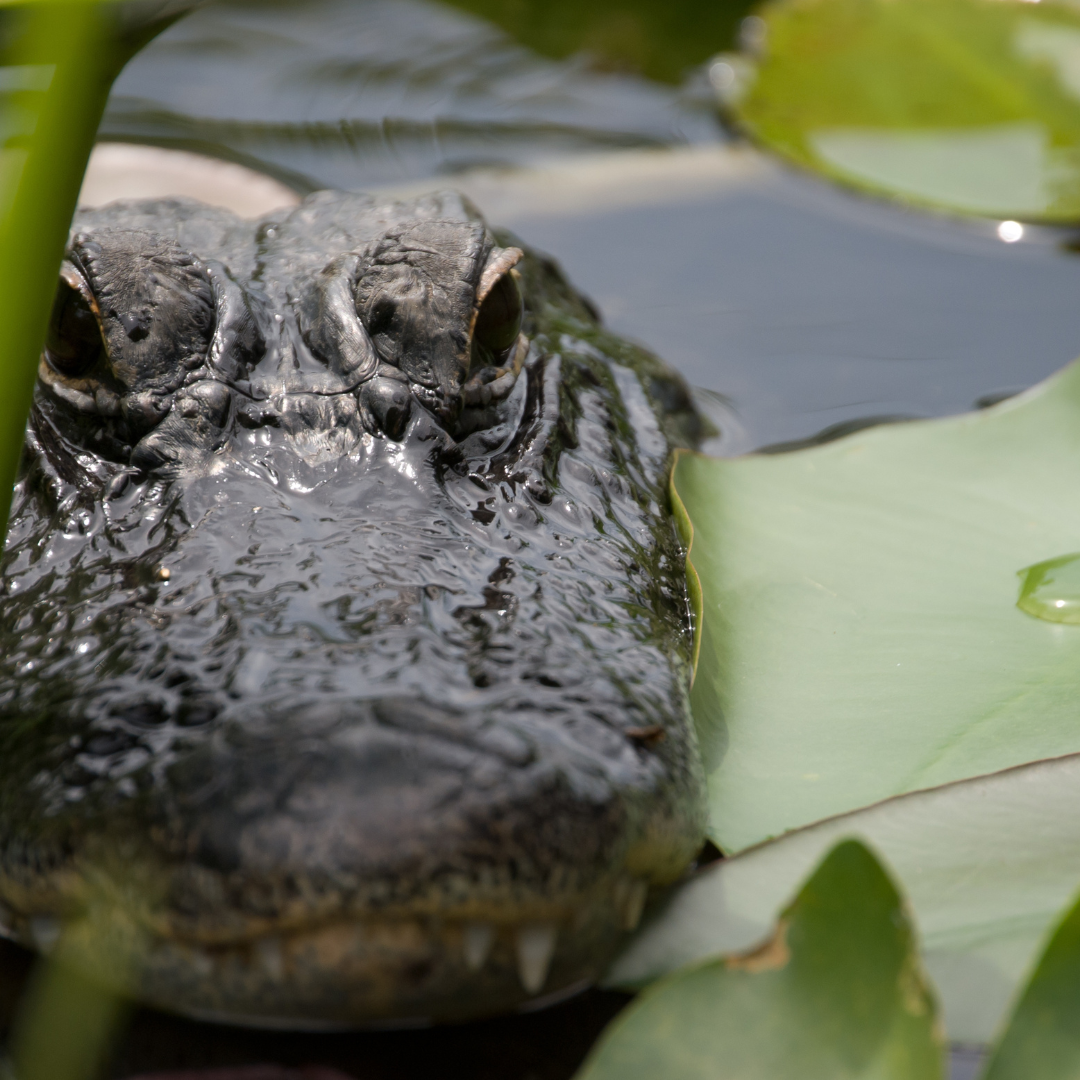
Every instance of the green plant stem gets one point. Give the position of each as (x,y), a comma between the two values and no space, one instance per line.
(65,1026)
(45,171)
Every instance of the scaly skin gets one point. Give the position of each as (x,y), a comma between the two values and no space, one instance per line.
(345,637)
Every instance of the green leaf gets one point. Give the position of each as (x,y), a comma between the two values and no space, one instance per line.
(1042,1040)
(836,992)
(58,61)
(60,64)
(62,999)
(660,41)
(860,635)
(82,990)
(987,864)
(971,105)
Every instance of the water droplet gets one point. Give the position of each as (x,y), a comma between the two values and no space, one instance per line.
(1051,590)
(753,31)
(721,75)
(730,75)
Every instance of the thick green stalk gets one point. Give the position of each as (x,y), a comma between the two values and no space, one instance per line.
(51,132)
(65,1026)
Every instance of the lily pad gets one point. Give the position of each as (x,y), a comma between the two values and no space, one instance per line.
(859,630)
(661,41)
(835,993)
(969,105)
(987,864)
(1043,1038)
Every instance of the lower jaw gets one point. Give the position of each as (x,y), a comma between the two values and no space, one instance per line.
(385,972)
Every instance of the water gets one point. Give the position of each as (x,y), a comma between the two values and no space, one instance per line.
(798,306)
(362,93)
(1051,590)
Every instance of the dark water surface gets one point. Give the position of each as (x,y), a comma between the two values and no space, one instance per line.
(795,306)
(803,305)
(356,93)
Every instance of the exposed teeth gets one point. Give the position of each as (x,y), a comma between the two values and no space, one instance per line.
(634,903)
(45,931)
(535,947)
(202,964)
(479,937)
(630,894)
(268,954)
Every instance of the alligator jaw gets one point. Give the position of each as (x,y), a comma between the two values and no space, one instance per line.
(377,970)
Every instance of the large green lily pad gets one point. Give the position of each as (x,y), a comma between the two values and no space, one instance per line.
(859,629)
(971,105)
(836,993)
(987,864)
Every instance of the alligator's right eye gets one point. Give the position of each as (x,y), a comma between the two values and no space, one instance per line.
(73,343)
(498,322)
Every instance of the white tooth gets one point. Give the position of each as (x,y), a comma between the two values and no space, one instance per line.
(634,903)
(619,892)
(535,947)
(45,932)
(479,937)
(201,963)
(268,953)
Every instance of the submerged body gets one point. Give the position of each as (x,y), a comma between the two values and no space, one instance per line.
(345,638)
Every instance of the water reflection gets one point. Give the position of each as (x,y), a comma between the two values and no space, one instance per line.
(355,93)
(1010,231)
(983,169)
(804,306)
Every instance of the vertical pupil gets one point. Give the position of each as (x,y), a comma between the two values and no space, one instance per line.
(498,322)
(73,341)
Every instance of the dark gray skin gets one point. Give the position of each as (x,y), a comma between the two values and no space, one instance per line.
(345,637)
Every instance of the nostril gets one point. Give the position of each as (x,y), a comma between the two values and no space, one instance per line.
(386,404)
(144,410)
(213,398)
(380,316)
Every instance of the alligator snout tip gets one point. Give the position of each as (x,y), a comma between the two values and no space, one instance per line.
(360,863)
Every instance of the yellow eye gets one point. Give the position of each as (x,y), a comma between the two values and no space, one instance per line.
(73,343)
(498,323)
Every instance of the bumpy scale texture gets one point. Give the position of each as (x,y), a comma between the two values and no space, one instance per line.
(345,643)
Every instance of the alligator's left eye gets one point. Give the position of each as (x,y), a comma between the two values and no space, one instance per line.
(73,343)
(498,322)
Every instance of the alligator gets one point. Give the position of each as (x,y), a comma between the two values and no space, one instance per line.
(345,634)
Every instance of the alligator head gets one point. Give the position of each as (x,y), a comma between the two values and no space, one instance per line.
(345,640)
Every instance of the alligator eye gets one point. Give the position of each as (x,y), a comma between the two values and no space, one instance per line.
(498,322)
(73,344)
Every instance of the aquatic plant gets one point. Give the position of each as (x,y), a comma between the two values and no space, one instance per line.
(58,58)
(883,622)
